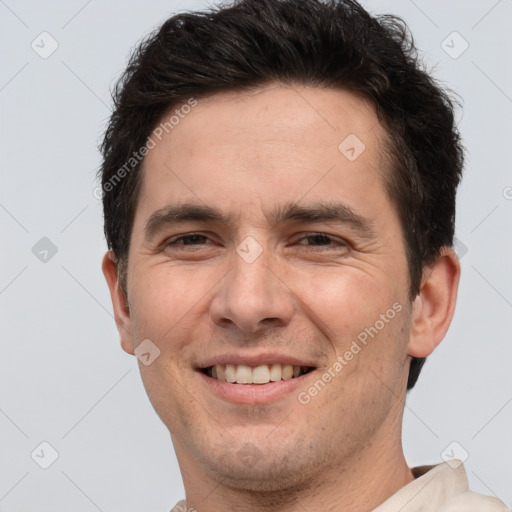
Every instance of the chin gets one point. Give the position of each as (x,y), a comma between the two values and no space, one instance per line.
(275,478)
(269,470)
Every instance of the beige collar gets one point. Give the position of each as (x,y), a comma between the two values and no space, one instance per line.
(433,486)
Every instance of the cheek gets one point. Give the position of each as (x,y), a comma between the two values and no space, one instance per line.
(166,299)
(364,321)
(345,300)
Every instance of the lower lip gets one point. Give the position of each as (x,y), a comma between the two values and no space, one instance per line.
(254,393)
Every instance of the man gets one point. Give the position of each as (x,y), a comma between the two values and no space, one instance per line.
(279,185)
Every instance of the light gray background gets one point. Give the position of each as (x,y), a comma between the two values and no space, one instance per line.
(63,376)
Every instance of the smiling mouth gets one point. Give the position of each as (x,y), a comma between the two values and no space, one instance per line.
(262,374)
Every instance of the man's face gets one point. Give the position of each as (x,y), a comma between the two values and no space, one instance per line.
(275,281)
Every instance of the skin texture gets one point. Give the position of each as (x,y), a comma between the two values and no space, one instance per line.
(247,153)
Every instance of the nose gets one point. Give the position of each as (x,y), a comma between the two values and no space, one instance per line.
(252,297)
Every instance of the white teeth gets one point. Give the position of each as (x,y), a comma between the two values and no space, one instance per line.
(275,372)
(262,374)
(287,372)
(243,374)
(220,372)
(230,373)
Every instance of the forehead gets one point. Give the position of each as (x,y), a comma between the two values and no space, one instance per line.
(260,146)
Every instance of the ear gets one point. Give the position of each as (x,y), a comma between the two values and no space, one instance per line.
(119,302)
(434,305)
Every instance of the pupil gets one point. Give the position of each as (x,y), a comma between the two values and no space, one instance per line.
(320,239)
(192,239)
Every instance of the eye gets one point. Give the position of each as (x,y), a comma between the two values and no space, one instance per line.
(322,240)
(189,239)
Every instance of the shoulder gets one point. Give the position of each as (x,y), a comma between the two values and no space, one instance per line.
(472,502)
(179,507)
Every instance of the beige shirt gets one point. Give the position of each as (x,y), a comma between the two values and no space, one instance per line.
(441,488)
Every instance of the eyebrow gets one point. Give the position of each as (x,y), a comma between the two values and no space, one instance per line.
(323,212)
(288,213)
(180,213)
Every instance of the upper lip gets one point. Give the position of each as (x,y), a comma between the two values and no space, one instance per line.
(254,360)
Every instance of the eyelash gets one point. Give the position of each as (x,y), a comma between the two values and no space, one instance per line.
(337,242)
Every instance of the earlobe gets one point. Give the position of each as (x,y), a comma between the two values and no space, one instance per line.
(119,302)
(434,305)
